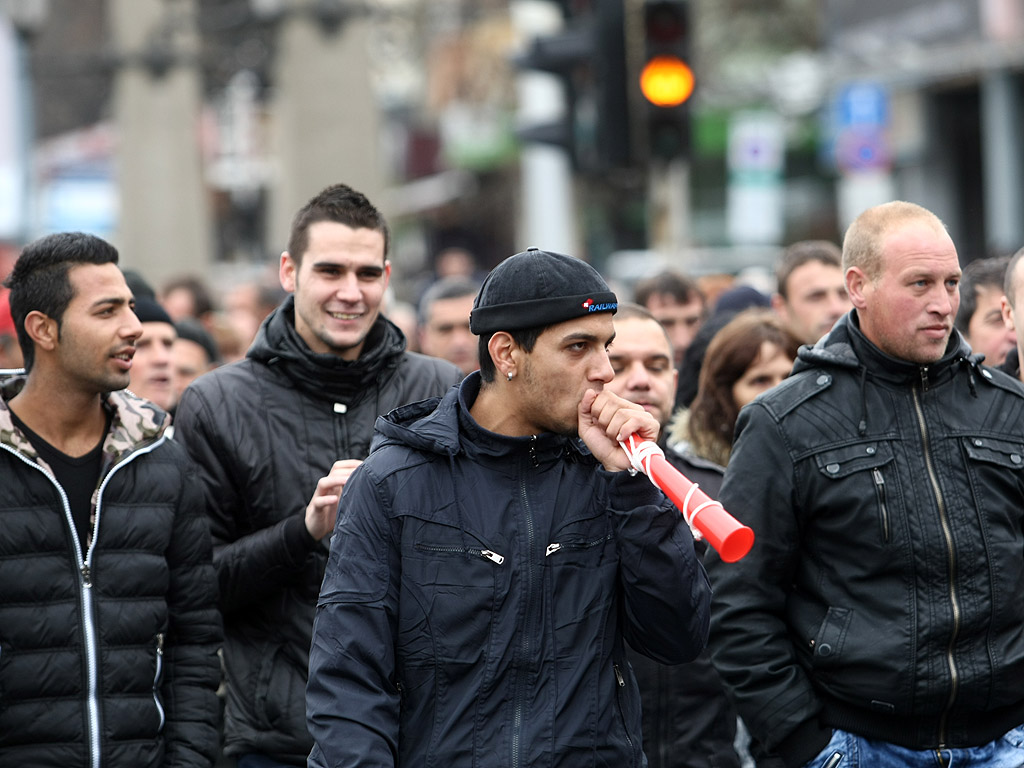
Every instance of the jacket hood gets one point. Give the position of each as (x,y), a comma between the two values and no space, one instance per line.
(845,346)
(444,426)
(279,345)
(135,423)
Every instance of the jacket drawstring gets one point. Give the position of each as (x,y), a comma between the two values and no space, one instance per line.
(970,375)
(862,426)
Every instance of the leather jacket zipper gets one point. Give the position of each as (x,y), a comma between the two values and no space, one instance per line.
(947,534)
(876,473)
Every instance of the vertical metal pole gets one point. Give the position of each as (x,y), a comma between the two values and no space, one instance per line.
(1002,159)
(546,215)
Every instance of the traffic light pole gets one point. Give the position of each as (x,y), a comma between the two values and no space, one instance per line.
(660,55)
(546,212)
(669,223)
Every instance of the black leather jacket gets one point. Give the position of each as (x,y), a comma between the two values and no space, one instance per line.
(262,432)
(883,592)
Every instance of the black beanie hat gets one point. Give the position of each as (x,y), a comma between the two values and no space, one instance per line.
(536,288)
(148,311)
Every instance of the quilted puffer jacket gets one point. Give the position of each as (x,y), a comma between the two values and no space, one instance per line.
(261,433)
(108,649)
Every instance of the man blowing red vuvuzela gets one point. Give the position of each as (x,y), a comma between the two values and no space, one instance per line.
(492,555)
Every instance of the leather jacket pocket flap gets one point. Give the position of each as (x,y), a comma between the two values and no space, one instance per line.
(831,635)
(1002,452)
(840,462)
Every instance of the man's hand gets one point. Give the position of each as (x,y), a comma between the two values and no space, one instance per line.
(322,510)
(605,419)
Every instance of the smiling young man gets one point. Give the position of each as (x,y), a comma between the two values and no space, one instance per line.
(108,620)
(275,437)
(495,554)
(876,621)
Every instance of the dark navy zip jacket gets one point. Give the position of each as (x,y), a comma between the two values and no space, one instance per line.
(477,595)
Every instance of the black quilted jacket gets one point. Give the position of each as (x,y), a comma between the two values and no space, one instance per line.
(108,651)
(262,432)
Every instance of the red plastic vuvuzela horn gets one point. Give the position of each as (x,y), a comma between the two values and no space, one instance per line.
(730,538)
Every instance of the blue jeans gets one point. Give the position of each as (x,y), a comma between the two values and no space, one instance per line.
(261,761)
(857,752)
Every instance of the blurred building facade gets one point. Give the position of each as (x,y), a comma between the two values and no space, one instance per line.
(189,131)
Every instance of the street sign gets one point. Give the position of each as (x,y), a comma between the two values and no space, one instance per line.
(860,120)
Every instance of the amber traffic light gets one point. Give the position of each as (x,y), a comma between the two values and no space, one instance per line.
(666,77)
(666,81)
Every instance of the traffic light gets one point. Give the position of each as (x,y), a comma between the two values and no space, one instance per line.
(557,54)
(613,138)
(666,77)
(589,58)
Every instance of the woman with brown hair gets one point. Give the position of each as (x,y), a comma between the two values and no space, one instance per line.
(753,352)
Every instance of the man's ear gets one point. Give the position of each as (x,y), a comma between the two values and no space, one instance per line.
(286,272)
(857,284)
(779,304)
(1007,312)
(504,352)
(42,329)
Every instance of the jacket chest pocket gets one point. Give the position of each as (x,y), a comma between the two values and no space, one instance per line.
(452,585)
(863,475)
(995,470)
(580,569)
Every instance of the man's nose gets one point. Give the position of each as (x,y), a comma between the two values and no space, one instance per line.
(941,303)
(347,288)
(638,376)
(132,327)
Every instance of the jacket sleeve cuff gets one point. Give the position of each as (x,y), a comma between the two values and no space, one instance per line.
(626,492)
(297,538)
(804,743)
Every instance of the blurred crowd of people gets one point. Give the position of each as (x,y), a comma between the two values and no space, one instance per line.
(267,398)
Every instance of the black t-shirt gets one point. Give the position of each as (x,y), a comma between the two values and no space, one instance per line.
(78,476)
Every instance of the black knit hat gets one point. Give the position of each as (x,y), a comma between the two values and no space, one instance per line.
(537,288)
(149,311)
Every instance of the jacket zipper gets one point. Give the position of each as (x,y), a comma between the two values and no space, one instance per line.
(947,533)
(621,681)
(156,678)
(85,584)
(880,490)
(557,547)
(525,645)
(487,554)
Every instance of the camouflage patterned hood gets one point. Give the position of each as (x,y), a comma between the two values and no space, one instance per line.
(135,424)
